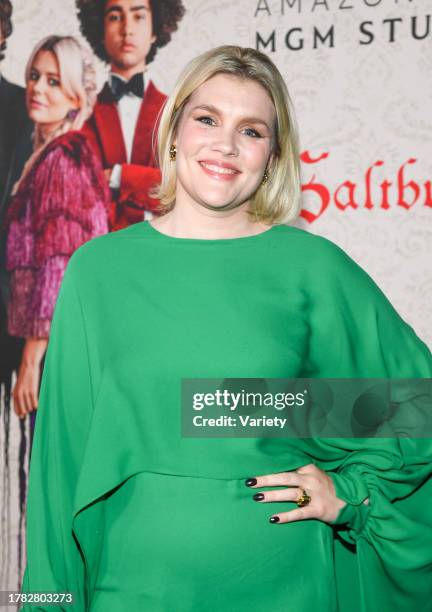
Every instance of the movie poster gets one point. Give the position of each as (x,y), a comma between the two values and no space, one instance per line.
(359,76)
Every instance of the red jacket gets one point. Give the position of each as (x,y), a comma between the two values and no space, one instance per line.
(105,132)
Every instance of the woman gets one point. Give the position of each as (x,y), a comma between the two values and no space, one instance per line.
(59,202)
(130,514)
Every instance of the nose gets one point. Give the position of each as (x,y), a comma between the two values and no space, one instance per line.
(226,142)
(128,23)
(38,86)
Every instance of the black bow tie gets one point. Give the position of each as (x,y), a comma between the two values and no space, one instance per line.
(120,88)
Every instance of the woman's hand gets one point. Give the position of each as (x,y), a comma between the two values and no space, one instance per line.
(324,504)
(26,390)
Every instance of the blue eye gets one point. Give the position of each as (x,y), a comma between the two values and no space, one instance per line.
(206,120)
(54,83)
(254,133)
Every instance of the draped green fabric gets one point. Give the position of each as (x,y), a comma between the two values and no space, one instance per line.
(129,515)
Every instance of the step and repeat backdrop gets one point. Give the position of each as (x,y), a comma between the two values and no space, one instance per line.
(360,76)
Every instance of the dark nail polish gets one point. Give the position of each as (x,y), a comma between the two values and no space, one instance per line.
(258,496)
(250,482)
(274,519)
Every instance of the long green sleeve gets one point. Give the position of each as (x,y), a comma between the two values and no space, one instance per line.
(54,559)
(369,339)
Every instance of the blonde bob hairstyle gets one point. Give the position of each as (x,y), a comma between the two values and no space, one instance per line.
(77,75)
(275,201)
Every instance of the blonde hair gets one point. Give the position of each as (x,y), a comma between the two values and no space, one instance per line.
(77,75)
(278,199)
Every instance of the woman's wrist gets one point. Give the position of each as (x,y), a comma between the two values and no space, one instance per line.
(350,487)
(34,350)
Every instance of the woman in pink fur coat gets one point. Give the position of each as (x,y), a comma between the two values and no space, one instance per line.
(60,201)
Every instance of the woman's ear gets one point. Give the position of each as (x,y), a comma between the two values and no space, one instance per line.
(75,102)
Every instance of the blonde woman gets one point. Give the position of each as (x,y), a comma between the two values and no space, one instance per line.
(59,202)
(127,513)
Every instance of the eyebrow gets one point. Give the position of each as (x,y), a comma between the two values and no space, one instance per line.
(119,9)
(213,109)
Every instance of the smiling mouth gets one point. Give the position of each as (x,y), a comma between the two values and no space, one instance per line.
(34,102)
(218,169)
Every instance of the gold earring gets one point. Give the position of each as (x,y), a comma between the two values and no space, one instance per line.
(173,152)
(265,178)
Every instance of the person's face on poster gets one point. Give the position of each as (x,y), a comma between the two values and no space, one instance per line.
(47,101)
(128,34)
(224,143)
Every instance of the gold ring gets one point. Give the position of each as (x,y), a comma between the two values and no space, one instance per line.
(303,500)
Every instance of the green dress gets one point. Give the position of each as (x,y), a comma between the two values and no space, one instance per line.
(129,515)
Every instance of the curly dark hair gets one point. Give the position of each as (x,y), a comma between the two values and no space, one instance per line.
(165,16)
(5,23)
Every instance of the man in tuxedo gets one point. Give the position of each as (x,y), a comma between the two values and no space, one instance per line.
(127,34)
(15,149)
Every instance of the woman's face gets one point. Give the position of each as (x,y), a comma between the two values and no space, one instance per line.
(224,143)
(47,102)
